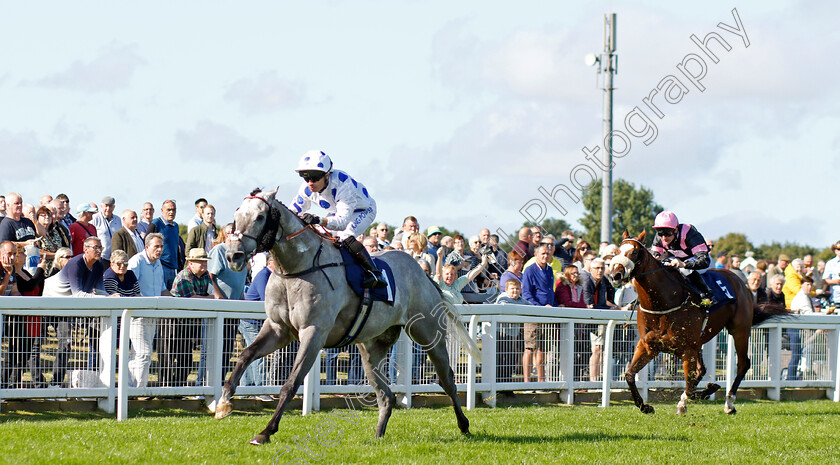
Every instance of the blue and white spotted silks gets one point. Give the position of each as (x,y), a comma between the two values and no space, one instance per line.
(350,208)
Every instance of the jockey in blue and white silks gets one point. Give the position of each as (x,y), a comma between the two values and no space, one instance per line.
(350,208)
(682,246)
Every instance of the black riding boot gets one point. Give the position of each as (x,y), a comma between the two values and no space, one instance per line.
(706,297)
(360,253)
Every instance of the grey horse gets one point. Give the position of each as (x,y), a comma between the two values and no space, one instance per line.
(308,299)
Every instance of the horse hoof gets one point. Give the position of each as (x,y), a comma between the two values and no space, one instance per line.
(729,411)
(260,439)
(223,409)
(681,410)
(646,408)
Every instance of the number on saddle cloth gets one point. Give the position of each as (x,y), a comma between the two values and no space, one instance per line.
(720,287)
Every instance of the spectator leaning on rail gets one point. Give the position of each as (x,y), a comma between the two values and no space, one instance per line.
(831,275)
(451,287)
(118,279)
(351,209)
(128,238)
(191,282)
(683,247)
(226,284)
(148,270)
(537,288)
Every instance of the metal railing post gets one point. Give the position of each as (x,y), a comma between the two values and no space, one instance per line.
(607,364)
(122,372)
(471,367)
(108,352)
(774,364)
(489,349)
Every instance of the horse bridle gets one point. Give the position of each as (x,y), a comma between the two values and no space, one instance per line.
(315,267)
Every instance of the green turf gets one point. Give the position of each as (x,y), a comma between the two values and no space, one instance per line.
(761,432)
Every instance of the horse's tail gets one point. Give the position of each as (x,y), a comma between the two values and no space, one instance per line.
(461,334)
(770,312)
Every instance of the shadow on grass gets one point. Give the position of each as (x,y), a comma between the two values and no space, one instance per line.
(571,437)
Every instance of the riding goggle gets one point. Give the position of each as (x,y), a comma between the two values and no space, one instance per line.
(665,232)
(312,176)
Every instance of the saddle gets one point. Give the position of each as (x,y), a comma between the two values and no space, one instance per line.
(723,291)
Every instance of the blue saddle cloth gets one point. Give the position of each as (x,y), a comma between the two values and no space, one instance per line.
(355,275)
(720,287)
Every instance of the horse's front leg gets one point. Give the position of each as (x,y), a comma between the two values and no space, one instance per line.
(271,337)
(312,339)
(641,357)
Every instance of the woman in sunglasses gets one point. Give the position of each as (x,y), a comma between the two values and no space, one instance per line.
(682,246)
(350,208)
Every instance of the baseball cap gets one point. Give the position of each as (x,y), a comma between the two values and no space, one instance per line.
(86,207)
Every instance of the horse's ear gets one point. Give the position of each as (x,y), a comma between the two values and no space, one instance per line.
(271,194)
(641,237)
(624,235)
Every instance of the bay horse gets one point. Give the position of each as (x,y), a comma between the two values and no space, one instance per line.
(670,320)
(308,299)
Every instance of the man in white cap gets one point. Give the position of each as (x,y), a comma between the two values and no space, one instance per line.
(107,224)
(350,208)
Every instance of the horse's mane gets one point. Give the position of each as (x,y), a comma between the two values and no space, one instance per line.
(266,241)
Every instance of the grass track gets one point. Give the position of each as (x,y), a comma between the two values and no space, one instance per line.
(762,432)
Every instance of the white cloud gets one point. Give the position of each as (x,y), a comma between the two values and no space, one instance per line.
(25,154)
(111,70)
(266,93)
(216,142)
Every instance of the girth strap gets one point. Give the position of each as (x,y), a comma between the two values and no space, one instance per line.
(365,304)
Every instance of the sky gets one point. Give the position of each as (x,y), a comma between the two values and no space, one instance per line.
(454,112)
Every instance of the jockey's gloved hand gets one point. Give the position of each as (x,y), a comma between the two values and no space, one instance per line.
(675,262)
(309,218)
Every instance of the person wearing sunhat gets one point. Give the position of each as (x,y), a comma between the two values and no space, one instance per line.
(433,235)
(193,280)
(82,228)
(831,275)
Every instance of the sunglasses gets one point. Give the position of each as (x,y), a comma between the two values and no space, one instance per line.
(312,176)
(586,248)
(665,233)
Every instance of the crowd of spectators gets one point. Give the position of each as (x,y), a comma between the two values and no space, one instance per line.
(48,251)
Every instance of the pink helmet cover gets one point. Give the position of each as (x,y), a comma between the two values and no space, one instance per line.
(666,219)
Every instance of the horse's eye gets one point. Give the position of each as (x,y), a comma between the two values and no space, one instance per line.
(260,217)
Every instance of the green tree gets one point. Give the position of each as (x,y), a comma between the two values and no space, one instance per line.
(732,243)
(793,250)
(633,210)
(555,227)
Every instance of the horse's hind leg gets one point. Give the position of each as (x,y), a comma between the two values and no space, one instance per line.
(433,339)
(711,388)
(311,342)
(641,357)
(692,377)
(270,338)
(742,342)
(373,355)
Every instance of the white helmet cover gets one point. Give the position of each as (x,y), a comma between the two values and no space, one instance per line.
(315,160)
